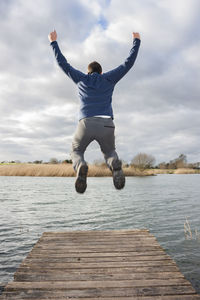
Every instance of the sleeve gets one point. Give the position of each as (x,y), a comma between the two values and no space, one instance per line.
(116,74)
(71,72)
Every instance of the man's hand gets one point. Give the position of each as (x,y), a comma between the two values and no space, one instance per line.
(52,36)
(136,35)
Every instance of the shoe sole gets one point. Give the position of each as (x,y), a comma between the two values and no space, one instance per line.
(81,181)
(118,175)
(118,179)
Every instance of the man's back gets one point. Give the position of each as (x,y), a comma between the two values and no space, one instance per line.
(95,90)
(95,93)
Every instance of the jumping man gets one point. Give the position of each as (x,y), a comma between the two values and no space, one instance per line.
(96,115)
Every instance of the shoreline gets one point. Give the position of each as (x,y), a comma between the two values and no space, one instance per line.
(66,170)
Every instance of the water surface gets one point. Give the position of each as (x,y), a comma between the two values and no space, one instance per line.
(31,205)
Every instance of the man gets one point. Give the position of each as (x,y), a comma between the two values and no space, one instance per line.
(96,114)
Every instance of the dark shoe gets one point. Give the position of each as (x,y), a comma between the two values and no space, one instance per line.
(81,179)
(118,175)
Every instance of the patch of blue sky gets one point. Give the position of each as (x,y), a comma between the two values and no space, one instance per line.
(103,22)
(108,2)
(82,19)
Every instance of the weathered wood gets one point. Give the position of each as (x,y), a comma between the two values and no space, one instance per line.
(106,292)
(60,266)
(117,249)
(97,239)
(59,276)
(129,242)
(91,265)
(99,248)
(68,285)
(54,254)
(125,232)
(45,259)
(93,271)
(61,297)
(101,270)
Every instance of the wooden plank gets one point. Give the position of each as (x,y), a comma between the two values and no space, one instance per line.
(37,269)
(103,248)
(97,238)
(81,265)
(168,297)
(118,249)
(59,276)
(155,297)
(95,232)
(101,244)
(96,243)
(55,254)
(106,292)
(83,284)
(46,259)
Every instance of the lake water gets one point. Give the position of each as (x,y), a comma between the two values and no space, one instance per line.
(31,205)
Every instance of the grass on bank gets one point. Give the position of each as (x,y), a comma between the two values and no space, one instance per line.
(62,170)
(174,171)
(66,170)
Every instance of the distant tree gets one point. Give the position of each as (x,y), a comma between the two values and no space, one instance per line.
(67,161)
(179,162)
(143,161)
(171,164)
(197,165)
(162,165)
(53,160)
(37,162)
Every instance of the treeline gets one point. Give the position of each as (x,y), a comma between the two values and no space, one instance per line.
(51,161)
(141,160)
(146,161)
(179,162)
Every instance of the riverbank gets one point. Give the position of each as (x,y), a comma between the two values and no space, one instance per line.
(66,170)
(62,170)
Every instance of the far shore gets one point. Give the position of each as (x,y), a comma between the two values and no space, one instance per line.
(66,170)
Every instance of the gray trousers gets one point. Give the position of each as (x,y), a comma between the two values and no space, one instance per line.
(88,130)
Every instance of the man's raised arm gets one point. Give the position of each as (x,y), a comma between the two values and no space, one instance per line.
(116,74)
(72,73)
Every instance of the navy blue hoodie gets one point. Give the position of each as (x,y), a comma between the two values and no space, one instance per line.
(95,90)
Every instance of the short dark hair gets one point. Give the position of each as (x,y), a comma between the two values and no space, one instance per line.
(94,67)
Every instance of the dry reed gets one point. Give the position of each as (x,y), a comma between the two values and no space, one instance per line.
(61,170)
(66,170)
(186,171)
(37,170)
(188,232)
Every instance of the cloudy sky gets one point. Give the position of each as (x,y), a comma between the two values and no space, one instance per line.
(156,105)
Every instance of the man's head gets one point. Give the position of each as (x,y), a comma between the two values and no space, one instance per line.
(94,67)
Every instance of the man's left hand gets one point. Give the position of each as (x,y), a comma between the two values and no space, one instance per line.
(52,36)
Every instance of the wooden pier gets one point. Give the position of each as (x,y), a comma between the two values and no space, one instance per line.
(94,265)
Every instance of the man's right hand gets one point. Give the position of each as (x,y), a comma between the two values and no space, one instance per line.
(136,35)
